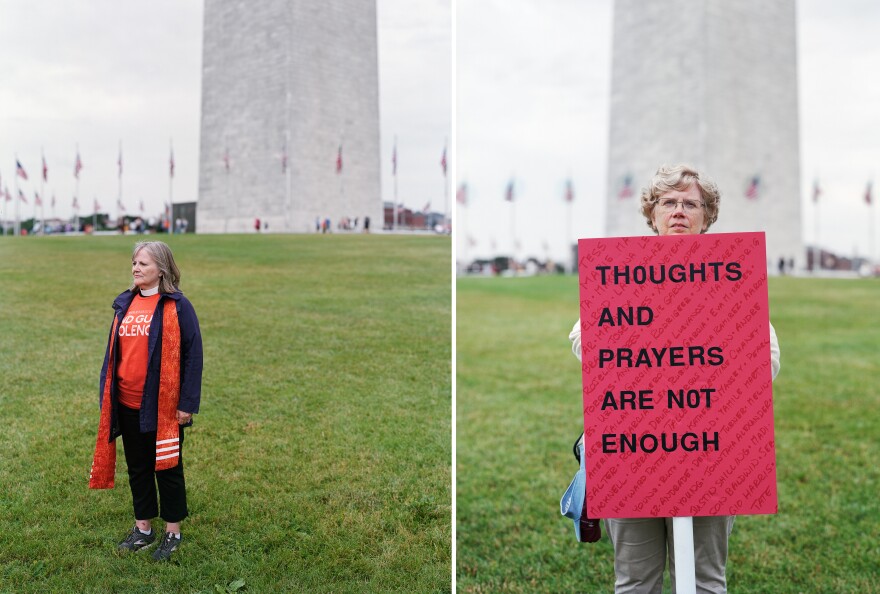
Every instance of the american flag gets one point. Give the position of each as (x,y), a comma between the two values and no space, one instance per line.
(817,191)
(97,206)
(427,207)
(868,199)
(142,207)
(78,166)
(19,170)
(171,163)
(75,203)
(53,200)
(339,160)
(443,161)
(752,191)
(120,206)
(394,159)
(569,191)
(37,200)
(626,190)
(508,193)
(6,193)
(119,160)
(45,170)
(21,196)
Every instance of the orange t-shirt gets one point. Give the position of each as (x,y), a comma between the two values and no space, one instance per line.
(133,335)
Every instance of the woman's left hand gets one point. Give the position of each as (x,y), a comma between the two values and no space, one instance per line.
(183,417)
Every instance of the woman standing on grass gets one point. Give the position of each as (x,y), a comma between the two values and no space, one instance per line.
(149,390)
(678,202)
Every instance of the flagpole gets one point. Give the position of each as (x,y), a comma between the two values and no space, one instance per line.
(513,227)
(570,239)
(394,220)
(446,222)
(119,190)
(76,188)
(870,200)
(513,221)
(460,214)
(42,196)
(512,199)
(286,161)
(17,200)
(817,251)
(569,199)
(286,157)
(228,193)
(170,192)
(42,221)
(341,172)
(119,198)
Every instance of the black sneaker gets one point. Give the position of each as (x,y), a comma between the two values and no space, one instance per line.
(167,546)
(136,540)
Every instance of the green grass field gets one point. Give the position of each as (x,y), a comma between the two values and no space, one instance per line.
(518,397)
(321,458)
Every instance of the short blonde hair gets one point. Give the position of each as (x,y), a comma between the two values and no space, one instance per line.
(680,177)
(169,274)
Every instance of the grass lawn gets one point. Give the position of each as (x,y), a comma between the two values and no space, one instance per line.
(320,460)
(518,396)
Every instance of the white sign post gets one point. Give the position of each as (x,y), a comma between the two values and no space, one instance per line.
(683,540)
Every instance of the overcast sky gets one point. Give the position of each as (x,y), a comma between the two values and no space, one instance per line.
(533,85)
(94,74)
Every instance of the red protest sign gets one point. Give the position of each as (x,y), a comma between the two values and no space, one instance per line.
(678,403)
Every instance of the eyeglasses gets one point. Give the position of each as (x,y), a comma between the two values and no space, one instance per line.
(669,205)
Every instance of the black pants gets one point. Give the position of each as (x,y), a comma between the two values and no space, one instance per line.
(140,455)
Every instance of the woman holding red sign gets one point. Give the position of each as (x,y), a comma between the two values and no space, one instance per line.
(678,202)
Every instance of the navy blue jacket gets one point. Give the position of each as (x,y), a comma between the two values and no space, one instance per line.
(190,362)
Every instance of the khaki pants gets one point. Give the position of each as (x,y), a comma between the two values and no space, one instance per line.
(640,546)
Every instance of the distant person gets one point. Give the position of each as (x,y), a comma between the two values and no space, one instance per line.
(257,225)
(791,265)
(679,201)
(366,224)
(149,390)
(781,266)
(317,224)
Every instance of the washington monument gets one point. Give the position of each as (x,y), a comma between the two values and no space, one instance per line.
(712,84)
(290,115)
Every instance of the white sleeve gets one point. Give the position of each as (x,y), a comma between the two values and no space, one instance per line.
(774,353)
(575,338)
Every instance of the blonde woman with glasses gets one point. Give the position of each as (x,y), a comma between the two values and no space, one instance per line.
(679,201)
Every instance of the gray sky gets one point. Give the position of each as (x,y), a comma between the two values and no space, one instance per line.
(533,84)
(92,74)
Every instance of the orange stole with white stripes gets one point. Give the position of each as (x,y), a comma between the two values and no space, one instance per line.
(167,429)
(103,470)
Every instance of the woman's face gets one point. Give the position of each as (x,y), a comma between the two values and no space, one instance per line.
(680,212)
(144,270)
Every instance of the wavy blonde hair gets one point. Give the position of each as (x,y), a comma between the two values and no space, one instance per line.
(679,177)
(169,274)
